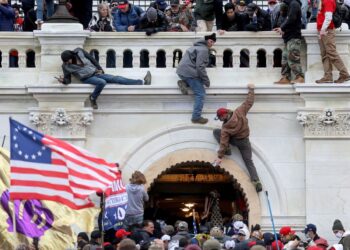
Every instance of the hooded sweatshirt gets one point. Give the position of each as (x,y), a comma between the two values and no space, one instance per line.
(292,24)
(193,64)
(136,197)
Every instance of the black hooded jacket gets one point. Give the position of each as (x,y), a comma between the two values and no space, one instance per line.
(292,25)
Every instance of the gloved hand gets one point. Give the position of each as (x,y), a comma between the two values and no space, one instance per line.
(149,31)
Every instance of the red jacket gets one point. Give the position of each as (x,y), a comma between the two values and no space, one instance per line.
(327,6)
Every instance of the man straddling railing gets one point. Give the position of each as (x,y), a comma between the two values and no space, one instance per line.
(83,66)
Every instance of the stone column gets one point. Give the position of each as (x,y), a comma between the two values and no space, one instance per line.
(55,38)
(326,123)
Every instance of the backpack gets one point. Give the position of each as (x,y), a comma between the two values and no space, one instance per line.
(337,17)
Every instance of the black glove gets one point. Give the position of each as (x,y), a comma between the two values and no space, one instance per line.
(149,31)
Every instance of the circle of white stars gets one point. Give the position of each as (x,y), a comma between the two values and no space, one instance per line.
(20,151)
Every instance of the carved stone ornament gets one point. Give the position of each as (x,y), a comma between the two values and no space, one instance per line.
(325,124)
(62,123)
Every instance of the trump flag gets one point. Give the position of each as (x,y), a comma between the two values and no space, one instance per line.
(46,168)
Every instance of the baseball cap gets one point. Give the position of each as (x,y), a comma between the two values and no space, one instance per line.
(122,4)
(121,233)
(310,227)
(286,230)
(221,112)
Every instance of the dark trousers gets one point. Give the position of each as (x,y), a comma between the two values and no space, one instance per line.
(246,151)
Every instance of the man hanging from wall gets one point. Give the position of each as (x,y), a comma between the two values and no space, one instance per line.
(235,131)
(192,72)
(83,66)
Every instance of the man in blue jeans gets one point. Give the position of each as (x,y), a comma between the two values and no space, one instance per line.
(84,67)
(192,72)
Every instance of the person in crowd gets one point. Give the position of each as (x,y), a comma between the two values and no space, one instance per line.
(259,19)
(274,11)
(30,20)
(122,234)
(84,67)
(95,240)
(290,30)
(166,239)
(82,240)
(329,54)
(342,234)
(286,234)
(18,25)
(127,16)
(281,16)
(153,21)
(182,232)
(127,244)
(218,234)
(243,236)
(192,72)
(102,20)
(235,131)
(256,234)
(160,5)
(179,17)
(169,230)
(43,5)
(205,12)
(27,5)
(7,16)
(311,234)
(144,236)
(233,21)
(137,195)
(241,6)
(211,244)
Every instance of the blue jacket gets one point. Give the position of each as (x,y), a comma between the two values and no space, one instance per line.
(122,20)
(7,17)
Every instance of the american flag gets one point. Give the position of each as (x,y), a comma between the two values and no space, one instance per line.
(46,168)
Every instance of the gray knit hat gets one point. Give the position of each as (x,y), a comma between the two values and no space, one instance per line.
(337,225)
(152,14)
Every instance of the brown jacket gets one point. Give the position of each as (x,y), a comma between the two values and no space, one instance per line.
(237,125)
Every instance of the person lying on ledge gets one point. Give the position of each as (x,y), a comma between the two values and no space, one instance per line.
(84,67)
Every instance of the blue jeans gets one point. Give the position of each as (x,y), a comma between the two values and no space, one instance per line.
(101,80)
(199,95)
(40,9)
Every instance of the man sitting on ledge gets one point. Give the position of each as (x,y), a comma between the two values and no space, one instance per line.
(235,131)
(83,66)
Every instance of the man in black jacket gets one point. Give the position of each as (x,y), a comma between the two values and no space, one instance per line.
(290,30)
(84,67)
(153,21)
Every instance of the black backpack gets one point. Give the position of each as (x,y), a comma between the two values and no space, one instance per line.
(337,15)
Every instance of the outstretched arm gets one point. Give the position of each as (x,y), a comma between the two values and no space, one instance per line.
(249,101)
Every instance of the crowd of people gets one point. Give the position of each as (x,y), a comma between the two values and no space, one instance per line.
(161,15)
(235,235)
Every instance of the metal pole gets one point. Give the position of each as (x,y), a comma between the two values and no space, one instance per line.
(272,221)
(3,141)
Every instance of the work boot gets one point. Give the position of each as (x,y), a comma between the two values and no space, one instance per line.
(200,120)
(342,79)
(183,87)
(283,80)
(93,102)
(148,78)
(258,186)
(228,151)
(324,80)
(299,79)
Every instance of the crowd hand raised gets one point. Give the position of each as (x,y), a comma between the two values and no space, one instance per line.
(278,30)
(217,162)
(221,32)
(131,28)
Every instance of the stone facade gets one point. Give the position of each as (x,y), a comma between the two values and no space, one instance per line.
(299,134)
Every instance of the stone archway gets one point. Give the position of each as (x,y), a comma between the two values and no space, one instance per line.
(230,166)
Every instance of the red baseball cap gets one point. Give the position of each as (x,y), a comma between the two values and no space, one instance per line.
(221,112)
(286,230)
(121,233)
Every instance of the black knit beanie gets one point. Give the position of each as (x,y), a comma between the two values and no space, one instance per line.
(337,225)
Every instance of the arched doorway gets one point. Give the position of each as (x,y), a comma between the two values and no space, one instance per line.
(181,189)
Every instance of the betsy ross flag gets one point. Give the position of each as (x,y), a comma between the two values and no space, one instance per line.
(46,168)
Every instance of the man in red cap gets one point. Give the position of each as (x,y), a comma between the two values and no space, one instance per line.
(235,131)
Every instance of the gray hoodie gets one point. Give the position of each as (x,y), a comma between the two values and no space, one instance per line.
(193,64)
(136,197)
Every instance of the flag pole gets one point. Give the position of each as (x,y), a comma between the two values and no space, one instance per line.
(3,141)
(102,224)
(272,221)
(14,218)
